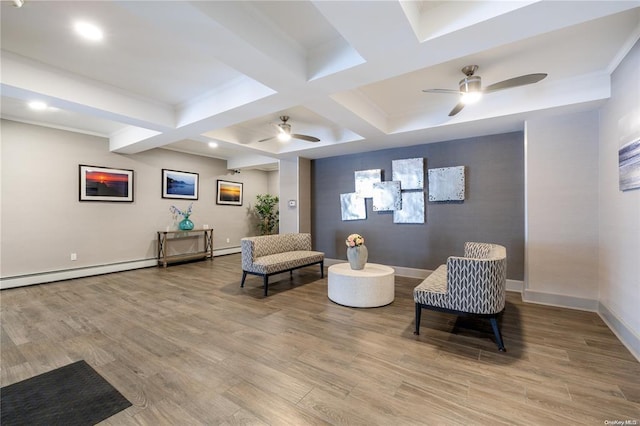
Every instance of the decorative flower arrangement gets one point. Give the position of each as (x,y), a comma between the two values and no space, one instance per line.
(354,240)
(185,214)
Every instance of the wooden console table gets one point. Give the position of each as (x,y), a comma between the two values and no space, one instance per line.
(164,237)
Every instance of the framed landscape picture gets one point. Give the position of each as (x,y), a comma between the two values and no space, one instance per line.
(182,185)
(629,166)
(105,184)
(229,193)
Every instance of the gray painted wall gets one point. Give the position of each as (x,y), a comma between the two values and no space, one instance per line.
(493,210)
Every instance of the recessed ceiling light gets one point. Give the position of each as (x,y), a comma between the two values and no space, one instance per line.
(88,31)
(213,144)
(38,105)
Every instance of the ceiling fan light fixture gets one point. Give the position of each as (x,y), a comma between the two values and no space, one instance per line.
(470,89)
(470,97)
(284,137)
(285,130)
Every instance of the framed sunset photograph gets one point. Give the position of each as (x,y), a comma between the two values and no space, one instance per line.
(229,193)
(105,184)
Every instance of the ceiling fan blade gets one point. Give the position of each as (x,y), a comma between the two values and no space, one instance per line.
(456,109)
(306,138)
(268,139)
(447,91)
(515,82)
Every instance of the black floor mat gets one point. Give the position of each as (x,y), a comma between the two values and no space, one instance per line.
(71,395)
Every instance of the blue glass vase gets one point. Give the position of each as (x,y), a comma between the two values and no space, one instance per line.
(185,224)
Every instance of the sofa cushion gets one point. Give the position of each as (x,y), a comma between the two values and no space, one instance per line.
(433,290)
(284,261)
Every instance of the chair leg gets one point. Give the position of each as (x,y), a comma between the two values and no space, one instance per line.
(496,332)
(266,285)
(244,275)
(418,315)
(322,269)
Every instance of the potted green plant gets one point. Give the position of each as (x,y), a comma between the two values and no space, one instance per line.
(266,209)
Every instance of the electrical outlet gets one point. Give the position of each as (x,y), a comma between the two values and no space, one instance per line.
(228,240)
(74,256)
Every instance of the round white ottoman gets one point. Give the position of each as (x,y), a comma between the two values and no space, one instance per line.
(366,288)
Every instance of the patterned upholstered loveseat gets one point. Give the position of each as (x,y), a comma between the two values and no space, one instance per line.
(471,285)
(273,254)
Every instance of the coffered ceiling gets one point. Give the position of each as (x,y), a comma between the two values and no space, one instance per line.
(178,74)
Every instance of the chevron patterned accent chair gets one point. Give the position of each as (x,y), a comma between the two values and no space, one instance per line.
(471,285)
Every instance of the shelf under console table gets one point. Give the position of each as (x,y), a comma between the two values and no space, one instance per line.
(165,237)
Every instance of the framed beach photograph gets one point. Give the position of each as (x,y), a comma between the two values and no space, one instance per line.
(105,184)
(229,193)
(182,185)
(629,166)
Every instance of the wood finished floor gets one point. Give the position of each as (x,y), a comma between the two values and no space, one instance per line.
(187,346)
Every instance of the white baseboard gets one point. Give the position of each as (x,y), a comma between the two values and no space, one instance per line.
(67,274)
(228,250)
(515,285)
(328,262)
(560,300)
(623,332)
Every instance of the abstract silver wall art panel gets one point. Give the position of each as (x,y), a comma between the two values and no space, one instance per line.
(446,184)
(629,166)
(410,173)
(412,208)
(365,180)
(353,207)
(386,196)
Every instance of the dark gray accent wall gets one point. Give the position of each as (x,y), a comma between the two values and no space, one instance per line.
(493,210)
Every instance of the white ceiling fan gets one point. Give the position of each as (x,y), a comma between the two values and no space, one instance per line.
(470,87)
(284,133)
